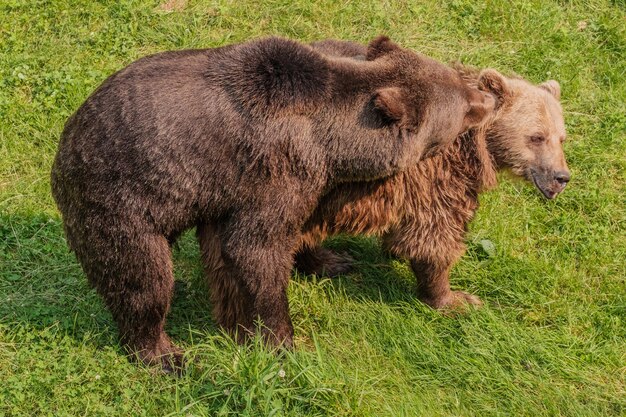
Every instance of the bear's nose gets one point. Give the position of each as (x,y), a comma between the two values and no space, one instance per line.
(562,177)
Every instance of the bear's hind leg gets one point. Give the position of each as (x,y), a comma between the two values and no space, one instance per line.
(132,271)
(232,303)
(322,261)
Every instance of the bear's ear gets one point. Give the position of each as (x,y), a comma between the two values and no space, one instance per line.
(389,101)
(493,82)
(552,87)
(482,104)
(380,46)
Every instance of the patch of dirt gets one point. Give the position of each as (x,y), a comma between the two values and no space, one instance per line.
(172,5)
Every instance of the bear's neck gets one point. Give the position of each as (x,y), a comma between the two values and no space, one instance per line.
(469,159)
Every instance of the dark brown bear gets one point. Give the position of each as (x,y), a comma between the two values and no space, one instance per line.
(241,141)
(422,213)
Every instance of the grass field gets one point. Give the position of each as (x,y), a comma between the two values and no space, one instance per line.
(551,339)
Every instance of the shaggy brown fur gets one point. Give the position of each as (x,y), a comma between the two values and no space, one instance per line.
(422,213)
(241,141)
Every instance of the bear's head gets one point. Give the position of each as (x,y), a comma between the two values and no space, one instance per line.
(527,132)
(427,97)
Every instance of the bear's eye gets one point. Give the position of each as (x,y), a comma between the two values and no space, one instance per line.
(537,139)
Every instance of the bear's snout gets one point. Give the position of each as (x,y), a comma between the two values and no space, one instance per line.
(562,177)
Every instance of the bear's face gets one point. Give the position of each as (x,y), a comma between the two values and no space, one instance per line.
(428,98)
(459,108)
(528,131)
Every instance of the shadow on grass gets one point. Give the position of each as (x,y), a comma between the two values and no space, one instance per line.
(499,279)
(42,285)
(375,276)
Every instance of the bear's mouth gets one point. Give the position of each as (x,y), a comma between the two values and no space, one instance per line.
(547,193)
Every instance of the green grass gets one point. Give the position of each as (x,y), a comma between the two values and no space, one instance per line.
(551,339)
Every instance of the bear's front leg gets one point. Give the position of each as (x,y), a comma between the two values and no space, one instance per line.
(258,265)
(433,286)
(432,250)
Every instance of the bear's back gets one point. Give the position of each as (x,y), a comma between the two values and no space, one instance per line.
(273,74)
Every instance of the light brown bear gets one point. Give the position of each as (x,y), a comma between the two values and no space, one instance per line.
(422,213)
